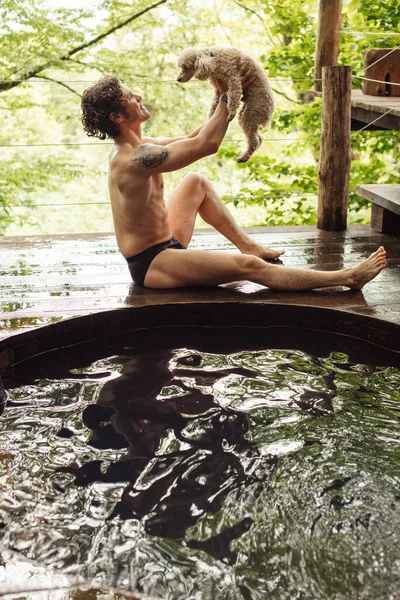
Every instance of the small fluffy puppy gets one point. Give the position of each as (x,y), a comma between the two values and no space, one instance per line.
(220,63)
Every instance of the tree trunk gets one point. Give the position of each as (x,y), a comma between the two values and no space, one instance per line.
(334,162)
(328,36)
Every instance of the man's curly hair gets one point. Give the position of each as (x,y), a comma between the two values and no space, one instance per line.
(98,101)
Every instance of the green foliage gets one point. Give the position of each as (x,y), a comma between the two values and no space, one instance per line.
(377,15)
(58,46)
(20,181)
(292,55)
(33,35)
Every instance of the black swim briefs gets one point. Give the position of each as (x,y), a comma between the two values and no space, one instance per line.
(139,264)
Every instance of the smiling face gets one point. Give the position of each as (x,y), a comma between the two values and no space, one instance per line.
(134,111)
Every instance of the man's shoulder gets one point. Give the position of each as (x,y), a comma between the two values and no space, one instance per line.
(149,155)
(123,158)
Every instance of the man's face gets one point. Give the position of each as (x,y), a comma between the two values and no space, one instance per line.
(135,112)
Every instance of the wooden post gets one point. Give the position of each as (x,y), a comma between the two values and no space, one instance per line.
(335,158)
(328,36)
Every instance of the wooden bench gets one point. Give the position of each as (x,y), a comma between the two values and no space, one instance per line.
(385,213)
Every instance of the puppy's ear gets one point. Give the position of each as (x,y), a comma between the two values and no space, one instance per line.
(204,65)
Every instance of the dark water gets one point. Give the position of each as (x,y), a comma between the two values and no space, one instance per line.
(188,475)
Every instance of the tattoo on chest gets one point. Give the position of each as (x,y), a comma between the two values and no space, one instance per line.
(150,156)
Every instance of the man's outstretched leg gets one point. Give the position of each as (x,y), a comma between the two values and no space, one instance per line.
(195,195)
(182,268)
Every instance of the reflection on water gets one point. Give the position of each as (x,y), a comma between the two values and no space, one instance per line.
(181,474)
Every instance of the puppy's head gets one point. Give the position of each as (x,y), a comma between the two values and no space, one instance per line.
(187,64)
(194,62)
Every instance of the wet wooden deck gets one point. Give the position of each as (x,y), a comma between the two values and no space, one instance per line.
(45,279)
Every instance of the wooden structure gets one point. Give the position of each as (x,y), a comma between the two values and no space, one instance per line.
(383,65)
(385,111)
(334,164)
(367,109)
(328,36)
(82,282)
(370,112)
(385,214)
(49,279)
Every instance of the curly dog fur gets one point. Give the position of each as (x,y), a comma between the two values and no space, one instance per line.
(219,63)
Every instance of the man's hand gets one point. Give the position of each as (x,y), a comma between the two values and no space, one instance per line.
(221,85)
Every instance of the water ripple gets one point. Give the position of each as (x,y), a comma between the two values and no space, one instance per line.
(178,473)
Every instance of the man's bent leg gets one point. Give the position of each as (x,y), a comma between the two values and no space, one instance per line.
(182,268)
(195,195)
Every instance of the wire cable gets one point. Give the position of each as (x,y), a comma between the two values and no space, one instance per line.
(378,81)
(379,59)
(173,81)
(388,33)
(300,139)
(392,164)
(266,197)
(305,139)
(157,81)
(372,122)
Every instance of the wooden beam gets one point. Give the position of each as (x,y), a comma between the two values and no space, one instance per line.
(383,220)
(357,125)
(385,195)
(364,115)
(385,212)
(335,158)
(328,36)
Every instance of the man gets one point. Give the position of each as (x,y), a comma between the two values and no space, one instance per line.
(153,235)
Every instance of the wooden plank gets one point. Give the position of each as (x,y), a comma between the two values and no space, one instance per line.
(365,109)
(379,104)
(384,195)
(87,268)
(73,305)
(384,220)
(386,312)
(376,121)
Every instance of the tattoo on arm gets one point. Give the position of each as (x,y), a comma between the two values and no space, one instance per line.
(149,155)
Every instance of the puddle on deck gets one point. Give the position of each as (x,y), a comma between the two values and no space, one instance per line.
(197,475)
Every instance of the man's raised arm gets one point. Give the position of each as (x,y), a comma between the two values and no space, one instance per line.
(164,141)
(158,158)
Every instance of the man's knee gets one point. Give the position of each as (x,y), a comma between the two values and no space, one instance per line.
(196,181)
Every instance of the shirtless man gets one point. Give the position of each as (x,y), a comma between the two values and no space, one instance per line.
(153,235)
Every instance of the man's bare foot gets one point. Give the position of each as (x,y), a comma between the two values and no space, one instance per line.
(368,269)
(262,251)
